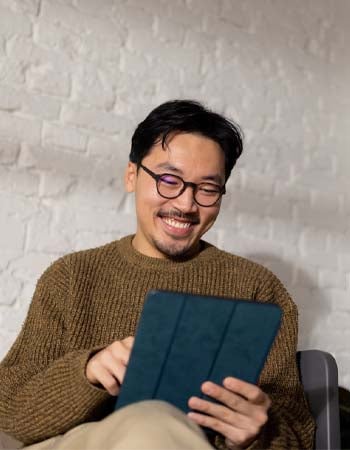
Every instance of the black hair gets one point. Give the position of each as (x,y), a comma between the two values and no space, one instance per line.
(190,117)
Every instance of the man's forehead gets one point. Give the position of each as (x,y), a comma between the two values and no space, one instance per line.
(188,143)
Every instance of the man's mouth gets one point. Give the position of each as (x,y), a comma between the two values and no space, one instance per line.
(180,222)
(176,223)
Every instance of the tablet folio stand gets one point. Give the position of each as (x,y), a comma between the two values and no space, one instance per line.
(183,340)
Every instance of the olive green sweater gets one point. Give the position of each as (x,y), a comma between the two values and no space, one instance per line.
(86,300)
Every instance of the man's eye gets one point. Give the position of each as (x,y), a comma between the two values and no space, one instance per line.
(170,181)
(209,190)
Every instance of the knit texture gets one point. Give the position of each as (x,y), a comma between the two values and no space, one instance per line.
(86,300)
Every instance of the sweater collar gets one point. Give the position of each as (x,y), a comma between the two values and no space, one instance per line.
(134,257)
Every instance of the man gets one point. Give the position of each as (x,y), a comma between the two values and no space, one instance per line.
(68,363)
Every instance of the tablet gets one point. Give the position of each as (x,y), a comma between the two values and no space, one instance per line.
(183,340)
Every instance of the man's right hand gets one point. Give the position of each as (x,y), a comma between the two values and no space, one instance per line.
(108,366)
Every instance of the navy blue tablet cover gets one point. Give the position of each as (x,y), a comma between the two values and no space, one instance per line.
(183,340)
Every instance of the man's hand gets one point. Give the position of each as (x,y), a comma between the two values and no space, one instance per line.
(241,415)
(108,366)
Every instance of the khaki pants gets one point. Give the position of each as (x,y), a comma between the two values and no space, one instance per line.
(151,425)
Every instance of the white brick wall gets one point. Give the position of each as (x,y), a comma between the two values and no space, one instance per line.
(76,76)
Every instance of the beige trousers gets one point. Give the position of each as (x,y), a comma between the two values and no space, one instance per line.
(151,425)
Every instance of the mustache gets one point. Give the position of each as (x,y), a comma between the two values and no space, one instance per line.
(175,214)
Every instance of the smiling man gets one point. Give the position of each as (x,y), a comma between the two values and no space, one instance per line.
(61,377)
(172,218)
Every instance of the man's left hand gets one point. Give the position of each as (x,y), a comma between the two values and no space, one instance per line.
(239,417)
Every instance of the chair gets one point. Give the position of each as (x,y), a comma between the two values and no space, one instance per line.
(319,377)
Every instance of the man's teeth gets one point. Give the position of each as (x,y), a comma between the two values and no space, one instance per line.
(176,224)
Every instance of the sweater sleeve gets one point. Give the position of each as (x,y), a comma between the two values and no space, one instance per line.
(290,424)
(43,388)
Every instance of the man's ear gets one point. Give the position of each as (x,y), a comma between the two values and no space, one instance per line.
(130,177)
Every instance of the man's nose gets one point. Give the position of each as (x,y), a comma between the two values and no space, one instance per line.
(185,202)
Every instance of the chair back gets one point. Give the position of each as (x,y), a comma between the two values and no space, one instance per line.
(319,377)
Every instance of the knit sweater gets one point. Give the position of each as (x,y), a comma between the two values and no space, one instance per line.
(86,300)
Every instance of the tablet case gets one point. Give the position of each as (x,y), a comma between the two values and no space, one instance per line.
(183,340)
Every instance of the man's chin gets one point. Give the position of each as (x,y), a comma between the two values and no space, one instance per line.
(176,250)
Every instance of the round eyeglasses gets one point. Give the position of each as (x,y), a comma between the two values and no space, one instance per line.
(171,186)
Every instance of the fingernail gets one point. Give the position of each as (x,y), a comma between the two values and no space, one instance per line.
(207,388)
(193,401)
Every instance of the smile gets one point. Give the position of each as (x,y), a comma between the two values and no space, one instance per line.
(176,224)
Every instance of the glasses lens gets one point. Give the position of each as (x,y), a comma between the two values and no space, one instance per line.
(207,194)
(170,186)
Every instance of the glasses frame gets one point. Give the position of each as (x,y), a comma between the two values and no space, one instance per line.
(186,184)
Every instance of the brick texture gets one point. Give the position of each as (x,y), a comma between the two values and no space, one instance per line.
(76,76)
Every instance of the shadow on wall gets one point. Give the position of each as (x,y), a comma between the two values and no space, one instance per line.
(311,301)
(291,214)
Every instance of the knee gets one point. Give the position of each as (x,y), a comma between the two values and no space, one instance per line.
(152,414)
(149,410)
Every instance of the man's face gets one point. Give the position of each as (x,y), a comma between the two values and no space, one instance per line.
(170,228)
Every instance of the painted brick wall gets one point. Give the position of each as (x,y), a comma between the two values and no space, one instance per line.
(76,76)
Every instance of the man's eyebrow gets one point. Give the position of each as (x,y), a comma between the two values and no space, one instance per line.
(167,166)
(216,178)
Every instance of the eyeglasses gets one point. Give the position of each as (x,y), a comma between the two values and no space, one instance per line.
(171,186)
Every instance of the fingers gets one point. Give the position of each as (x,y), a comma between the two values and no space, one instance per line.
(239,437)
(108,366)
(225,414)
(238,395)
(120,350)
(235,401)
(240,413)
(247,390)
(108,381)
(128,342)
